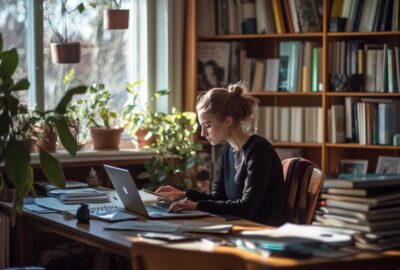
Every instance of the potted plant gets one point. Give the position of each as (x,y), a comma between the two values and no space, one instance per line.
(62,50)
(114,17)
(46,127)
(100,118)
(137,119)
(176,151)
(14,154)
(25,122)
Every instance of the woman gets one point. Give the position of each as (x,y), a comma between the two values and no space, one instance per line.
(250,181)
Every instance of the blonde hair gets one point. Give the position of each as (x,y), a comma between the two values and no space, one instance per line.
(234,101)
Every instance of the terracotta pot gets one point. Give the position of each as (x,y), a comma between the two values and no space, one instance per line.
(67,53)
(30,144)
(116,19)
(106,138)
(140,140)
(48,141)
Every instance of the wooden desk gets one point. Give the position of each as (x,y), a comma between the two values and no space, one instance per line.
(119,242)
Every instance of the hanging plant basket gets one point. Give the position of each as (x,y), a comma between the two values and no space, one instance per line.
(65,53)
(115,19)
(106,138)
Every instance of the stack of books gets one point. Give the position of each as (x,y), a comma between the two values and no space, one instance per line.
(43,187)
(80,195)
(368,204)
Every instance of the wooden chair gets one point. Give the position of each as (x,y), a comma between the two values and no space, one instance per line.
(303,181)
(156,257)
(314,189)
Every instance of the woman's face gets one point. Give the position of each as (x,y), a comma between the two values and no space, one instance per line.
(212,129)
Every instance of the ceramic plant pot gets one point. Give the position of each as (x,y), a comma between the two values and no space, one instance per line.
(106,138)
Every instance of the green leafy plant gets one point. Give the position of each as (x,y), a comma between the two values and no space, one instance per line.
(24,123)
(61,34)
(137,117)
(176,151)
(96,108)
(18,171)
(113,4)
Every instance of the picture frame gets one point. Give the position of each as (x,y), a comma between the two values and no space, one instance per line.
(353,166)
(388,165)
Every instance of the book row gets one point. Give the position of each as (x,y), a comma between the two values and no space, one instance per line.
(224,17)
(364,16)
(360,66)
(371,121)
(290,124)
(298,67)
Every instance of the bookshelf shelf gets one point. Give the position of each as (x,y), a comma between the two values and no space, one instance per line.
(361,146)
(291,144)
(363,34)
(266,46)
(362,94)
(261,36)
(266,93)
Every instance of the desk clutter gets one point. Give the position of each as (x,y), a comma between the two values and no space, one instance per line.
(369,205)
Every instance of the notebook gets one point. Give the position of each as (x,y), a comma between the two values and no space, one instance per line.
(129,195)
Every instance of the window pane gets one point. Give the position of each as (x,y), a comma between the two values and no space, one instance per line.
(14,28)
(105,54)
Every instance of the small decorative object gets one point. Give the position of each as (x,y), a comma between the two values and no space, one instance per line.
(346,83)
(388,165)
(83,214)
(353,166)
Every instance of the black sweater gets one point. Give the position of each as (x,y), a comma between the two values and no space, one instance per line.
(254,192)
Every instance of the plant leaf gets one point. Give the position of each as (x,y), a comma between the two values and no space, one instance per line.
(12,103)
(1,42)
(81,7)
(66,137)
(17,164)
(21,85)
(66,99)
(5,122)
(51,168)
(9,63)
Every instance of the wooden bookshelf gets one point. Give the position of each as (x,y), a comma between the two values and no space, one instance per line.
(325,154)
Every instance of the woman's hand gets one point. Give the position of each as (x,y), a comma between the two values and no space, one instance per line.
(171,192)
(182,205)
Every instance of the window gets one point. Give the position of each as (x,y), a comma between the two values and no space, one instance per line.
(106,55)
(14,28)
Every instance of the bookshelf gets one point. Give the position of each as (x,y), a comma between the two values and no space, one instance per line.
(326,154)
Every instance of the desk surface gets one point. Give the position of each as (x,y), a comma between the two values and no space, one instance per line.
(120,242)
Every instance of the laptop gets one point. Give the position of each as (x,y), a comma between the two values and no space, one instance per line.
(129,195)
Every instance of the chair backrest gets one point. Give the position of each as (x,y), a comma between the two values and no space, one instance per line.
(303,181)
(156,257)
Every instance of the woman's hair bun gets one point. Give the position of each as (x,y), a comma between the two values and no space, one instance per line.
(236,90)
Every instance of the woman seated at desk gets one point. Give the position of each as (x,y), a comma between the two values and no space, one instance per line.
(250,182)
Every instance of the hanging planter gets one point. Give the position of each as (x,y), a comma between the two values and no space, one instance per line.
(115,19)
(65,53)
(106,138)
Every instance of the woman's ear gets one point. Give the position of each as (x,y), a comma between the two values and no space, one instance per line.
(228,122)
